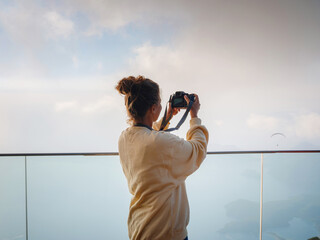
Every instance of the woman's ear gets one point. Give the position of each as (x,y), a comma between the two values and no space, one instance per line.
(153,108)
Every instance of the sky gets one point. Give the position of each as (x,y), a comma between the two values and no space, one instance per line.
(254,64)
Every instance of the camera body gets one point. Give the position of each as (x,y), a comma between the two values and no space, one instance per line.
(177,99)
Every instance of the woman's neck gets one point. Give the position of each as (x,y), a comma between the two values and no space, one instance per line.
(147,120)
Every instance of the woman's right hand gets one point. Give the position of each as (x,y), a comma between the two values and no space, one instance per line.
(195,106)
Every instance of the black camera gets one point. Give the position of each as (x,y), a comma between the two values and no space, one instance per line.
(177,100)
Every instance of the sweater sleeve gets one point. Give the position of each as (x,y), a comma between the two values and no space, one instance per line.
(187,155)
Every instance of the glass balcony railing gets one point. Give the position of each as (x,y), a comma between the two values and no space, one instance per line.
(234,195)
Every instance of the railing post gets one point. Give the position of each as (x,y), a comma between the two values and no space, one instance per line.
(26,193)
(261,196)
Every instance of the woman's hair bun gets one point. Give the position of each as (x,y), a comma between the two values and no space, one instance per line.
(124,85)
(140,94)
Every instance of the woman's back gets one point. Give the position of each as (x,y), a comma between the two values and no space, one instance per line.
(156,165)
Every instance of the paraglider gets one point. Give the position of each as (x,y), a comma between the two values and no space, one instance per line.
(278,137)
(278,134)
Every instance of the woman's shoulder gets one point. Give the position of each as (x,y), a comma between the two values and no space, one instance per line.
(148,136)
(165,138)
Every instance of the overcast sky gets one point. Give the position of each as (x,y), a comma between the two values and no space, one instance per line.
(254,64)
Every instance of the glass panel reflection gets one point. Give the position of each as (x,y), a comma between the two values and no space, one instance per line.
(86,197)
(291,207)
(12,198)
(77,197)
(224,196)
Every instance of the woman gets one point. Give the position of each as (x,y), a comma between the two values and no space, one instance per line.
(157,163)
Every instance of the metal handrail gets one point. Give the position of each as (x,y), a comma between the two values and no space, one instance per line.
(116,153)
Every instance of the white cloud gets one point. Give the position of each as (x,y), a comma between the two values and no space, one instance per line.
(160,61)
(263,122)
(106,103)
(307,126)
(303,126)
(113,15)
(31,82)
(30,24)
(90,105)
(63,106)
(57,25)
(236,56)
(22,23)
(104,15)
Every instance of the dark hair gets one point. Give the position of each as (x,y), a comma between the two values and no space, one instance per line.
(140,94)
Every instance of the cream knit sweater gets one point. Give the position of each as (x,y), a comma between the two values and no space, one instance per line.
(156,165)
